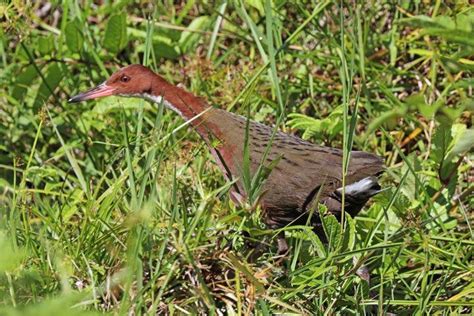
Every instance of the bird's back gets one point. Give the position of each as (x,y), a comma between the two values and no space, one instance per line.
(302,170)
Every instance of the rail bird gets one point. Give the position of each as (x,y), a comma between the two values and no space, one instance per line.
(301,173)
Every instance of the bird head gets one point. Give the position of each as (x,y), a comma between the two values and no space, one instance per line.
(130,81)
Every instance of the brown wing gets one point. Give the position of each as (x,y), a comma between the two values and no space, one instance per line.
(302,170)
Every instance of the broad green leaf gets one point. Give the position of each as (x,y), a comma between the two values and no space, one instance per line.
(468,104)
(466,83)
(332,229)
(450,141)
(257,4)
(418,101)
(318,245)
(163,48)
(463,140)
(20,52)
(23,81)
(53,76)
(115,38)
(441,142)
(458,30)
(46,44)
(164,43)
(450,114)
(74,37)
(387,117)
(465,22)
(190,38)
(445,21)
(456,36)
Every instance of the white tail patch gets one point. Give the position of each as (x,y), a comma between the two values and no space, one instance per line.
(366,187)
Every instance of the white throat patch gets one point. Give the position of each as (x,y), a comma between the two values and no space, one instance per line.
(159,100)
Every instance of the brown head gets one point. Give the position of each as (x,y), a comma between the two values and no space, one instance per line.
(130,81)
(139,81)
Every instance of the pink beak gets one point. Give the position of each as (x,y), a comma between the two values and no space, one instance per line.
(101,90)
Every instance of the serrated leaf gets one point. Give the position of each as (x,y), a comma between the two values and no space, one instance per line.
(330,125)
(318,245)
(332,229)
(74,37)
(115,38)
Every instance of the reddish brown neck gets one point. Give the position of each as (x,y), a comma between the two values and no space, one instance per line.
(187,105)
(184,103)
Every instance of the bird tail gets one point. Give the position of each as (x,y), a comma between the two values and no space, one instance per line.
(359,192)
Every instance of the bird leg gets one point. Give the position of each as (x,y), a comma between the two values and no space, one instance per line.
(260,248)
(257,252)
(282,244)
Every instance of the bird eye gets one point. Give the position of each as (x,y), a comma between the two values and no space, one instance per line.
(125,78)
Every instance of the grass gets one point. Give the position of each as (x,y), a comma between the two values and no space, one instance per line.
(116,206)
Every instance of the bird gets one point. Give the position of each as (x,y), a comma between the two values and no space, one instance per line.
(299,174)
